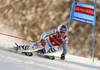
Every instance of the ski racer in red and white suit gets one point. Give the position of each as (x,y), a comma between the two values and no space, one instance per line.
(51,41)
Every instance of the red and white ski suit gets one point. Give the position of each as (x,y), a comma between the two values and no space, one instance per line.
(53,41)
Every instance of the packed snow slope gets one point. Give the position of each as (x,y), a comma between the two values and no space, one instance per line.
(13,61)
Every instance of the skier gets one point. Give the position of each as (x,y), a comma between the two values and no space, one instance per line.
(50,42)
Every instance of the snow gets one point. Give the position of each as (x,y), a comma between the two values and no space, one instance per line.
(12,61)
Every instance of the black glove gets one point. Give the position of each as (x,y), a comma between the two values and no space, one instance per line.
(62,57)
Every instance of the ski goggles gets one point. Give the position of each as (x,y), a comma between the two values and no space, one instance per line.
(62,32)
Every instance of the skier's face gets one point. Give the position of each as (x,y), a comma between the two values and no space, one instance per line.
(61,34)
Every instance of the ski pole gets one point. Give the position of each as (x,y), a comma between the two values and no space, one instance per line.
(16,37)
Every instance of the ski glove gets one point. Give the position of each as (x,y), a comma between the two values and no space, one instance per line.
(43,42)
(62,57)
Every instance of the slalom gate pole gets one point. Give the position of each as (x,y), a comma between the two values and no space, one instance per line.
(78,15)
(94,31)
(16,37)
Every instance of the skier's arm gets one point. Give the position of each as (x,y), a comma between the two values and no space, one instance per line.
(44,35)
(64,50)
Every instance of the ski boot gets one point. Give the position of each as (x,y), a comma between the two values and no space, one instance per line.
(23,47)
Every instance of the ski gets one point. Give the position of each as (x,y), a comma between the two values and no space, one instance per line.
(46,56)
(27,53)
(38,54)
(30,53)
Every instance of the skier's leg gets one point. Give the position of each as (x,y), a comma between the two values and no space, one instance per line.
(48,49)
(41,51)
(31,47)
(35,46)
(51,49)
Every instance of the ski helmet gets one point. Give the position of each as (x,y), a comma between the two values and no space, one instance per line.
(62,29)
